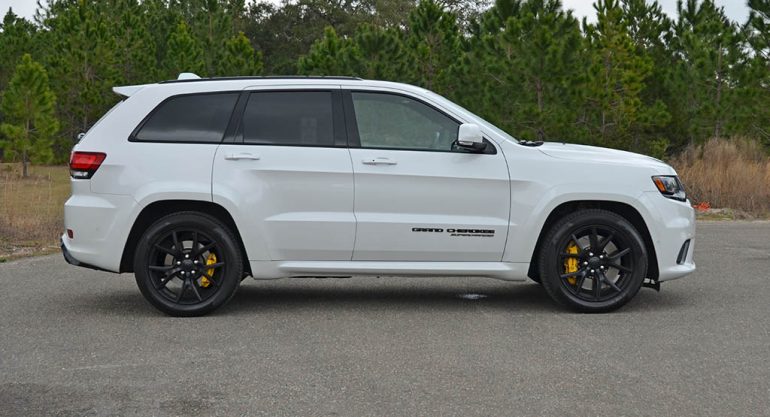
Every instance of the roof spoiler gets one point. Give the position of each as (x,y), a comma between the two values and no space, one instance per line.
(128,90)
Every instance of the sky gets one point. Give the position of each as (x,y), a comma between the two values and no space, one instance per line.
(735,9)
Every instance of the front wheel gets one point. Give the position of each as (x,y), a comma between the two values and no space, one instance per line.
(188,264)
(593,261)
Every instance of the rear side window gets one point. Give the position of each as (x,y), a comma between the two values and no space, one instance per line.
(189,118)
(293,118)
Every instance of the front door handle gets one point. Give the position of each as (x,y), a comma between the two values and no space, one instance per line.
(379,161)
(237,156)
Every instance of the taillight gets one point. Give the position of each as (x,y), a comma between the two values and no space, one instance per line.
(83,165)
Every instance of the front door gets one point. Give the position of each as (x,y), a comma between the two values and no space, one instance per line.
(418,197)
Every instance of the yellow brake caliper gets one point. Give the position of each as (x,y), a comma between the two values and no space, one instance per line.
(211,259)
(571,264)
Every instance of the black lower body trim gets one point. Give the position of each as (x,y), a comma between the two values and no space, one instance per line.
(72,261)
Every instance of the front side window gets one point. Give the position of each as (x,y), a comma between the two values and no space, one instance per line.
(289,118)
(189,118)
(391,121)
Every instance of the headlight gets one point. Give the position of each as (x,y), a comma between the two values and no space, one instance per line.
(670,186)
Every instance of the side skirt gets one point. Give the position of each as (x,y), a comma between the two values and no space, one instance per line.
(507,271)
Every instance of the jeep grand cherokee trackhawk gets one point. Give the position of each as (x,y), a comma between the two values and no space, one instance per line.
(194,184)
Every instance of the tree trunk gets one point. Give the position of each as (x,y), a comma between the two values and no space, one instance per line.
(24,157)
(24,164)
(540,127)
(718,99)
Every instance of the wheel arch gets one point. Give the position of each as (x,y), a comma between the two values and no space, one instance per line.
(158,209)
(622,209)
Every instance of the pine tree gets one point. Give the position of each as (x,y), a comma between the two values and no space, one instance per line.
(79,52)
(211,26)
(757,75)
(329,55)
(529,63)
(135,52)
(28,105)
(433,39)
(615,79)
(708,50)
(16,38)
(378,53)
(183,53)
(372,53)
(239,58)
(649,27)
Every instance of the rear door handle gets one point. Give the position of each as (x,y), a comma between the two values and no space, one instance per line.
(237,156)
(379,161)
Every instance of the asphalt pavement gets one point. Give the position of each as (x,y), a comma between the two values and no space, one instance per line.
(79,342)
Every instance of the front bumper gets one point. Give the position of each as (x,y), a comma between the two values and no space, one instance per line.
(672,225)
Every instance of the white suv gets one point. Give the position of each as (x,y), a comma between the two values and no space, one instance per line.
(194,184)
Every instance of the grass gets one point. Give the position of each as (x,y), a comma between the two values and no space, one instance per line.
(731,173)
(31,209)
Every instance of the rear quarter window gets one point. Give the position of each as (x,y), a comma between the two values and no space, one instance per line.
(198,118)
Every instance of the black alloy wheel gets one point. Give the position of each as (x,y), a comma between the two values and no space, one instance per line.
(188,264)
(593,261)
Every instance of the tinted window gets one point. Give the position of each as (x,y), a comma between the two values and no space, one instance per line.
(289,118)
(190,118)
(392,121)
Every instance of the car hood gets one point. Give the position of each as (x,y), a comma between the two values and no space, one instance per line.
(602,155)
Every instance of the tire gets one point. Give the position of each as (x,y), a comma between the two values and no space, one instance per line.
(180,280)
(603,271)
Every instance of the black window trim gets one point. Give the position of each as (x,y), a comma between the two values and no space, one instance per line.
(354,139)
(132,137)
(340,137)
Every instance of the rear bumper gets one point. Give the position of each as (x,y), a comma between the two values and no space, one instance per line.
(100,225)
(72,261)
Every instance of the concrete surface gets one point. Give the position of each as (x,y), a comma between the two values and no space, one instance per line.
(79,342)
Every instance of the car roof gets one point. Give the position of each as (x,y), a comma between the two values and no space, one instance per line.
(262,77)
(198,84)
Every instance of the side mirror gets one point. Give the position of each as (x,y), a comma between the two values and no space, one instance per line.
(469,136)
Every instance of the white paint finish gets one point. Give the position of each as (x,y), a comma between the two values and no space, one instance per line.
(156,171)
(298,208)
(292,203)
(285,269)
(441,190)
(99,226)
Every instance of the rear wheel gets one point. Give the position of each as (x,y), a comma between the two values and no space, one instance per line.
(188,264)
(593,261)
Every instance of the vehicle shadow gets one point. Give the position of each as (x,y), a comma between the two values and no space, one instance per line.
(511,297)
(252,298)
(292,296)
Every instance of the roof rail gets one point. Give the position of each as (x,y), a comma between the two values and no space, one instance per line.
(187,77)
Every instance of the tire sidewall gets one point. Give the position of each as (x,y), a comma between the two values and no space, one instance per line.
(230,280)
(549,268)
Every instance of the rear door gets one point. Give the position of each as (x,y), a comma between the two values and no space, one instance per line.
(418,197)
(287,175)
